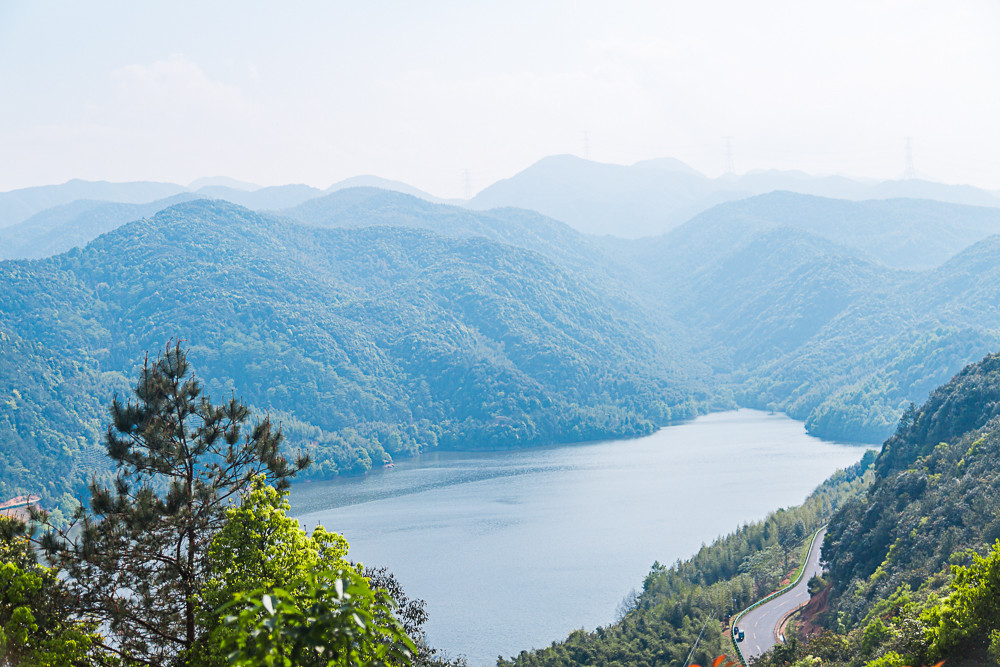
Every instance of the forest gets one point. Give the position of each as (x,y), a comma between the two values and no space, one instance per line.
(442,327)
(365,344)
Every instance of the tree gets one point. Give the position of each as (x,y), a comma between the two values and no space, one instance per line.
(278,596)
(259,547)
(136,561)
(969,618)
(764,567)
(36,629)
(333,618)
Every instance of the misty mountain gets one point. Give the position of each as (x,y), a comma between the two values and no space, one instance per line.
(34,227)
(817,329)
(654,196)
(641,200)
(898,233)
(374,323)
(222,181)
(73,225)
(363,342)
(19,205)
(385,184)
(364,207)
(261,199)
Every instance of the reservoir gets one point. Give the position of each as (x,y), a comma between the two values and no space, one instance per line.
(513,550)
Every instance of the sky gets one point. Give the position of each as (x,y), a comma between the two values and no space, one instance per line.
(452,96)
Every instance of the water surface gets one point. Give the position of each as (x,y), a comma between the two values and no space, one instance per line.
(513,550)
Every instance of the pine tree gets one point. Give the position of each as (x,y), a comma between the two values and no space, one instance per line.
(137,559)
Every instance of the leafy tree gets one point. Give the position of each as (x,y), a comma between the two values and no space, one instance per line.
(35,625)
(764,567)
(970,615)
(259,547)
(333,617)
(138,559)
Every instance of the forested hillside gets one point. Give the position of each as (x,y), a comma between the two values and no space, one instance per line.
(805,325)
(450,327)
(913,563)
(364,343)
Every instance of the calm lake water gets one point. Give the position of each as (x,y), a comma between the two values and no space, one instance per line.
(513,550)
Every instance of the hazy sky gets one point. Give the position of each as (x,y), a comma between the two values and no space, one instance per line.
(315,92)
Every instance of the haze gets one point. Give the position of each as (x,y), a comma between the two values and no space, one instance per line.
(451,97)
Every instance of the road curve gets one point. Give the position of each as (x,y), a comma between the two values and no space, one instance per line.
(760,625)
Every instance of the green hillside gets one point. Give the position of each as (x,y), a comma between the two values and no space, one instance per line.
(913,564)
(365,343)
(796,322)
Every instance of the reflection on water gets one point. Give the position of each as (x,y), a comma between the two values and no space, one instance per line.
(513,550)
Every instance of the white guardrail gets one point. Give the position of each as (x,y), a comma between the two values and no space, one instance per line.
(802,571)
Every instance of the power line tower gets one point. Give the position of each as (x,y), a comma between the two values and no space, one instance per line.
(910,172)
(730,162)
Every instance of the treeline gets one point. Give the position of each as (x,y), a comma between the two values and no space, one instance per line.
(663,622)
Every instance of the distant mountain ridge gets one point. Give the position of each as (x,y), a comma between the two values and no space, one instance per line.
(18,205)
(654,196)
(72,225)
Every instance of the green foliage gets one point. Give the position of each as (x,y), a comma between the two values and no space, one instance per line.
(765,567)
(969,617)
(36,625)
(890,659)
(874,635)
(333,617)
(817,584)
(259,546)
(136,561)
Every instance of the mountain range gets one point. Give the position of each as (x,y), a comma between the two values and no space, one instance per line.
(654,196)
(365,343)
(376,324)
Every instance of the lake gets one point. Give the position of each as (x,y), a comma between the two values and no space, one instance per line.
(513,550)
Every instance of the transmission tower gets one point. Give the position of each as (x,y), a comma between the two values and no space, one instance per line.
(730,162)
(910,172)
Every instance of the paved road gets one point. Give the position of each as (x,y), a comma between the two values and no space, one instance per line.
(761,623)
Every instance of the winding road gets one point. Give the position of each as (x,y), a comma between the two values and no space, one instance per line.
(760,625)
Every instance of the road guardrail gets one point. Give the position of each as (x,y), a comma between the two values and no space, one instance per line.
(802,571)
